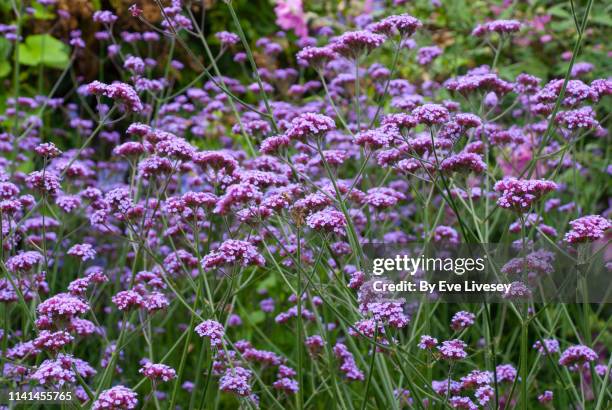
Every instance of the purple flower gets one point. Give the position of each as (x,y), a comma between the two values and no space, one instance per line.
(54,372)
(236,381)
(44,181)
(465,403)
(427,342)
(62,305)
(212,330)
(476,378)
(157,371)
(289,386)
(310,124)
(462,320)
(587,229)
(52,340)
(550,346)
(577,355)
(581,118)
(316,57)
(226,38)
(348,365)
(521,194)
(431,114)
(116,398)
(84,251)
(231,252)
(426,55)
(121,92)
(404,24)
(463,162)
(104,16)
(128,299)
(354,44)
(327,220)
(505,373)
(484,394)
(314,344)
(24,261)
(581,68)
(453,349)
(545,397)
(497,26)
(48,149)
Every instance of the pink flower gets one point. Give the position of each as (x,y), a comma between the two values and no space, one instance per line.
(116,398)
(290,16)
(212,330)
(157,371)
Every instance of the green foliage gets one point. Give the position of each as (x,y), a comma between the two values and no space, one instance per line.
(5,49)
(43,49)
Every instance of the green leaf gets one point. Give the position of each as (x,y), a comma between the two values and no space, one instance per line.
(5,69)
(267,283)
(602,19)
(41,12)
(257,317)
(5,49)
(43,49)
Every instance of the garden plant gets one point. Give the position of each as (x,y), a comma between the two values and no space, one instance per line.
(188,190)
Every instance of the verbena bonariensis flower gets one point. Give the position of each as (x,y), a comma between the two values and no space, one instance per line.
(84,251)
(577,355)
(497,26)
(315,57)
(48,150)
(587,229)
(52,340)
(226,38)
(453,349)
(459,402)
(426,55)
(212,330)
(505,373)
(121,92)
(484,394)
(62,305)
(431,114)
(157,371)
(462,320)
(404,24)
(236,381)
(44,181)
(54,372)
(116,398)
(104,16)
(354,44)
(441,387)
(550,346)
(128,299)
(348,365)
(310,125)
(427,342)
(286,384)
(521,194)
(24,261)
(545,397)
(476,378)
(581,118)
(233,252)
(327,220)
(517,290)
(463,162)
